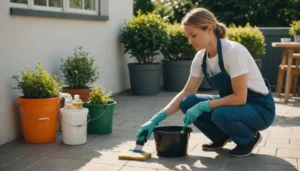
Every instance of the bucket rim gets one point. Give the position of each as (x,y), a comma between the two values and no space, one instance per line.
(156,129)
(112,102)
(50,98)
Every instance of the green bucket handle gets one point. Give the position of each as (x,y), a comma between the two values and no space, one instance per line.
(98,116)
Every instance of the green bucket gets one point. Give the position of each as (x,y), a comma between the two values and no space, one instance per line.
(101,117)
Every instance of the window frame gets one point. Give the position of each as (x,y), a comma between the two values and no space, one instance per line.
(65,11)
(65,7)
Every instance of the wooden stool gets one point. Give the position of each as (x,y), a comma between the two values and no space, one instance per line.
(297,57)
(294,75)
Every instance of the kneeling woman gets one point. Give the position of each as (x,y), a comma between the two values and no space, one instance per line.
(244,105)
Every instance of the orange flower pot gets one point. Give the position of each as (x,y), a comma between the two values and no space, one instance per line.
(39,119)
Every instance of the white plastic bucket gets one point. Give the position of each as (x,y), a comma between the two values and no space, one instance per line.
(74,125)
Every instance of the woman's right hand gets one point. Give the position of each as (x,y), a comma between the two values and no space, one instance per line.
(150,125)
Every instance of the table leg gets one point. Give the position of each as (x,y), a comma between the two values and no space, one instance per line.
(281,73)
(288,77)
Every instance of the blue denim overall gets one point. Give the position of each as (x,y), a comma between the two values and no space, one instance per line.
(240,123)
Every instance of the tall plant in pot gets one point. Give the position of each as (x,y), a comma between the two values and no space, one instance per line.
(178,55)
(143,38)
(252,38)
(295,30)
(39,104)
(101,109)
(78,72)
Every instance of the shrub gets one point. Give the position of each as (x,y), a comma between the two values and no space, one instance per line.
(295,28)
(78,70)
(98,96)
(37,84)
(251,37)
(177,46)
(143,37)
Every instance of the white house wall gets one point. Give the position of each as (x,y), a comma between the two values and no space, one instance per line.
(26,40)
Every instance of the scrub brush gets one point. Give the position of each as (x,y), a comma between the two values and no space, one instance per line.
(137,153)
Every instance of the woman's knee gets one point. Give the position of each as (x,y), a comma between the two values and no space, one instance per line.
(190,100)
(221,114)
(186,103)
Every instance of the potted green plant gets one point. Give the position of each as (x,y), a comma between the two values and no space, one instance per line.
(101,109)
(143,37)
(39,104)
(78,72)
(251,37)
(178,55)
(295,30)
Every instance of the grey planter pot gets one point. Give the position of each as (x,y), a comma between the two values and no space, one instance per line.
(297,38)
(175,74)
(144,79)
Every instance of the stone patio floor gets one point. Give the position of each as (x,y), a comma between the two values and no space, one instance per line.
(279,150)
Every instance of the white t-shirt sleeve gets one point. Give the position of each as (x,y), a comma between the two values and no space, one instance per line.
(196,67)
(237,61)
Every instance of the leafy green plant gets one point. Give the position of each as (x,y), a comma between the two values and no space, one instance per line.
(98,96)
(78,70)
(251,37)
(295,28)
(177,46)
(143,37)
(38,83)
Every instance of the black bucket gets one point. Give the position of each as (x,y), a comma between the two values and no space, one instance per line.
(170,142)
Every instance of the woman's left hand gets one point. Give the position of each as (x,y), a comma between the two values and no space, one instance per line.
(194,112)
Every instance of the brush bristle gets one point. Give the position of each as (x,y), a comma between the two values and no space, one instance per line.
(129,155)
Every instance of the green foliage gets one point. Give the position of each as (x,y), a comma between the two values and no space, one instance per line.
(295,28)
(177,46)
(251,37)
(144,5)
(174,10)
(78,70)
(258,12)
(37,84)
(98,96)
(143,37)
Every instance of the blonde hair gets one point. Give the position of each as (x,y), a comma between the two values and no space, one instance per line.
(202,18)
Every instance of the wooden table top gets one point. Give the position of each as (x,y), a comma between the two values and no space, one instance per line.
(286,45)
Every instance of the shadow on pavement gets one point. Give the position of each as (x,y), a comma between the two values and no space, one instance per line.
(222,161)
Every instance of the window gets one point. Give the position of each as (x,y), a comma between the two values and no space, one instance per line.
(66,6)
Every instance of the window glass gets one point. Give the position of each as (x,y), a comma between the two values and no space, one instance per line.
(90,5)
(55,3)
(76,4)
(40,2)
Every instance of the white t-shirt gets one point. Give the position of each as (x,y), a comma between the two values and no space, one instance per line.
(237,61)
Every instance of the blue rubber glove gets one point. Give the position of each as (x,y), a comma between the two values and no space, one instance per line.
(194,112)
(150,125)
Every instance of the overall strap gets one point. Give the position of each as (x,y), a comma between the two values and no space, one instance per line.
(220,54)
(204,65)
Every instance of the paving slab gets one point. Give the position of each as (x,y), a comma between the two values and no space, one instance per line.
(22,163)
(236,166)
(7,157)
(60,164)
